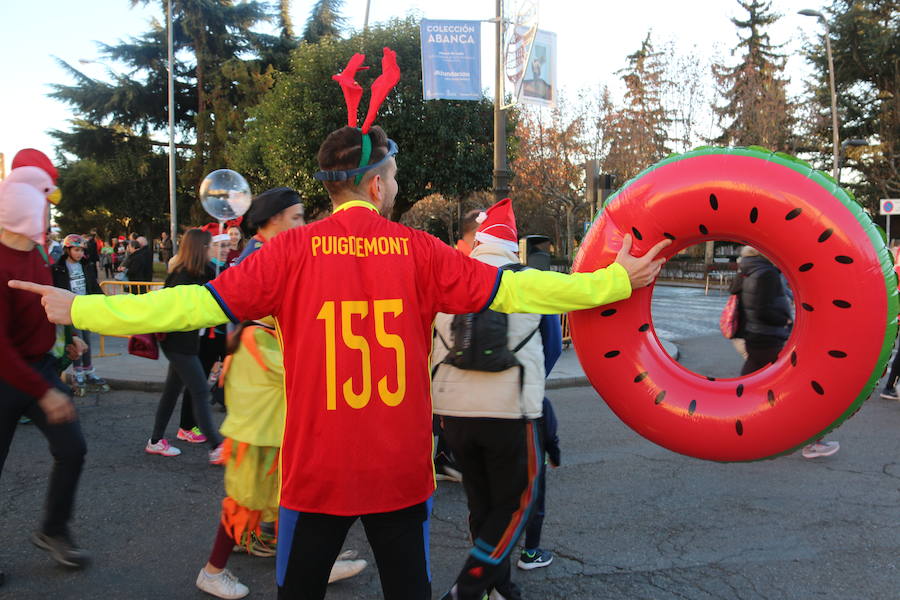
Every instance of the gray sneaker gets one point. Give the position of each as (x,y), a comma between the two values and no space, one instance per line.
(820,449)
(62,549)
(222,585)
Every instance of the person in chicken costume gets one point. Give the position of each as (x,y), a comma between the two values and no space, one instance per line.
(29,381)
(354,297)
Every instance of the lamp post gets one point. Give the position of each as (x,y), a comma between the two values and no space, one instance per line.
(173,216)
(844,144)
(806,12)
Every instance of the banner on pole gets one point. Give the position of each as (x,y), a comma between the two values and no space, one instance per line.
(451,60)
(539,86)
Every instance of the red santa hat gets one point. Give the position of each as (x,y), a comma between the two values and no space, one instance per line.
(213,230)
(498,226)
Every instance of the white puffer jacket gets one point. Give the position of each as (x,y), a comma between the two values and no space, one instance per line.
(464,393)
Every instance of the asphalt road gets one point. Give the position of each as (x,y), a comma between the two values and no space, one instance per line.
(626,519)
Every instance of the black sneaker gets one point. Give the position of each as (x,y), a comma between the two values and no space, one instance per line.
(62,549)
(534,559)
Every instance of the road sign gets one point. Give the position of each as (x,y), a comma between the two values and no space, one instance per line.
(890,206)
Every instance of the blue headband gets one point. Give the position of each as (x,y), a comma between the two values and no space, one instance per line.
(345,175)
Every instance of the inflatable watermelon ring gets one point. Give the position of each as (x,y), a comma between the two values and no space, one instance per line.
(834,258)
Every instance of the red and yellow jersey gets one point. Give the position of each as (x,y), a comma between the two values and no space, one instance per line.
(355,296)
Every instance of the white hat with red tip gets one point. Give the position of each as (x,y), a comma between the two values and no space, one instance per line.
(498,226)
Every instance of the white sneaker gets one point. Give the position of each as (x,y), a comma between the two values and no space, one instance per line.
(344,569)
(222,585)
(162,448)
(215,455)
(820,449)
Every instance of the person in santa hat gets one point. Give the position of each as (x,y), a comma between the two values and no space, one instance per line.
(29,382)
(488,388)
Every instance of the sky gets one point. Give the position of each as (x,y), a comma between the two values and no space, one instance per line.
(593,40)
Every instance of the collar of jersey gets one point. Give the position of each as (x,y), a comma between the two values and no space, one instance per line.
(354,203)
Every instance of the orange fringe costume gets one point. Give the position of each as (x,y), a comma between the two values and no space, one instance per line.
(253,377)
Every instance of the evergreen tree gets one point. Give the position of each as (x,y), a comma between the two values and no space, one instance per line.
(757,111)
(865,43)
(324,21)
(638,131)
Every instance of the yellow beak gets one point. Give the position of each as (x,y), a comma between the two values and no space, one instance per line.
(55,196)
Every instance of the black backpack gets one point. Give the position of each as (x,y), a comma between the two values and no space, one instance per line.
(480,340)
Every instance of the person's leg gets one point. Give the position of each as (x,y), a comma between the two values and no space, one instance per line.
(399,540)
(308,545)
(85,336)
(191,372)
(171,389)
(13,405)
(536,524)
(759,357)
(512,455)
(891,382)
(461,438)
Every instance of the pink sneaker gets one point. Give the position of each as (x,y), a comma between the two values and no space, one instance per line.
(215,455)
(191,436)
(162,448)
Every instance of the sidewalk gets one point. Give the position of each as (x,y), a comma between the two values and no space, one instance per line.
(127,372)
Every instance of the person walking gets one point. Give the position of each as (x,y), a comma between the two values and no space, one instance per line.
(74,273)
(488,388)
(29,381)
(357,441)
(181,348)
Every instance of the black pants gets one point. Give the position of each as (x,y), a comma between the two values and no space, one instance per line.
(536,523)
(309,543)
(500,462)
(759,356)
(66,446)
(185,370)
(212,350)
(891,381)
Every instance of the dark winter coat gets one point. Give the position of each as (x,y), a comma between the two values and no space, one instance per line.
(139,266)
(60,273)
(765,307)
(184,342)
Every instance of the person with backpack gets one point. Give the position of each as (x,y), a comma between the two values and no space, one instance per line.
(488,388)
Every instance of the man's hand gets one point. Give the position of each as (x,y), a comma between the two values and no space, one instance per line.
(57,406)
(57,302)
(641,271)
(76,348)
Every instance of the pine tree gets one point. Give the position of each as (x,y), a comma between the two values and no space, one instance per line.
(638,131)
(757,111)
(865,43)
(324,21)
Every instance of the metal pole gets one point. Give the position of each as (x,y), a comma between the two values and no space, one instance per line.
(173,215)
(366,22)
(501,174)
(834,115)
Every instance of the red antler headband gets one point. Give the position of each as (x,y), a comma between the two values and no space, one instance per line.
(390,76)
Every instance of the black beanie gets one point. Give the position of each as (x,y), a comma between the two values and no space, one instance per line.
(270,203)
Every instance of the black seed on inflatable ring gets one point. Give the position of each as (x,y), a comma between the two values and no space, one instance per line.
(794,359)
(837,353)
(771,396)
(844,260)
(612,354)
(692,407)
(704,230)
(714,202)
(754,215)
(710,378)
(825,235)
(660,397)
(817,387)
(807,307)
(640,377)
(637,233)
(841,303)
(805,267)
(644,327)
(608,312)
(740,390)
(668,235)
(739,427)
(793,214)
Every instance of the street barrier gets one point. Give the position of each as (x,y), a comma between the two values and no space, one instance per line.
(112,288)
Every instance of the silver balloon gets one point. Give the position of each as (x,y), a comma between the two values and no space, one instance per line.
(225,194)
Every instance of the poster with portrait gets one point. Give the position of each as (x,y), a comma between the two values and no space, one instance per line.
(539,86)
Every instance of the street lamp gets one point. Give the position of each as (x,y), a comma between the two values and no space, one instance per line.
(807,12)
(844,144)
(173,215)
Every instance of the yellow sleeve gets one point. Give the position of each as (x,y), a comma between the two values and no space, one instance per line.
(270,351)
(179,308)
(547,292)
